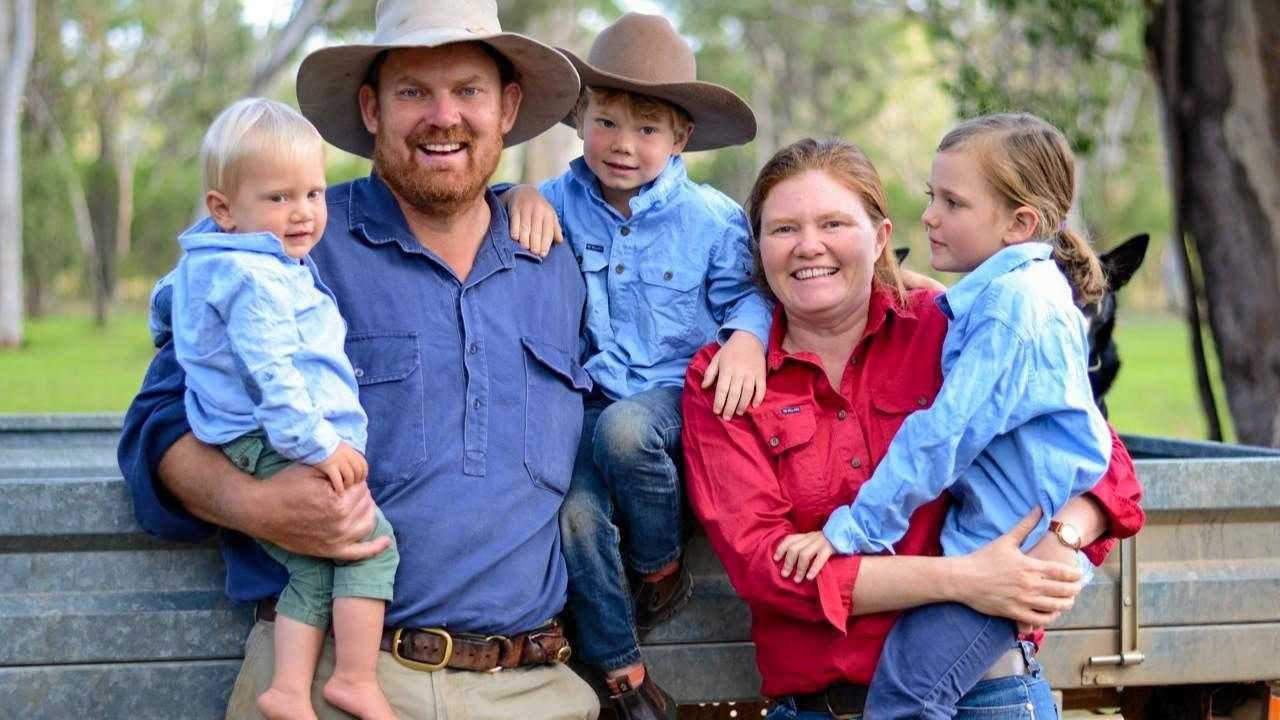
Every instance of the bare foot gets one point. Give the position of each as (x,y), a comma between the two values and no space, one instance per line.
(277,704)
(362,698)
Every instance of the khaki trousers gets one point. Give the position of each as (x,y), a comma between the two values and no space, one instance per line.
(550,692)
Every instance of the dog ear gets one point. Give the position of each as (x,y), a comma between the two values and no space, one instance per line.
(901,254)
(1122,261)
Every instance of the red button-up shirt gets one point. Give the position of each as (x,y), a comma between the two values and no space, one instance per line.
(784,466)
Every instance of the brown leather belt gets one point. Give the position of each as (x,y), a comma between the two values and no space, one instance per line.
(839,700)
(431,649)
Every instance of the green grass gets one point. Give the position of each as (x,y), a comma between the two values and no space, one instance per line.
(1155,393)
(68,365)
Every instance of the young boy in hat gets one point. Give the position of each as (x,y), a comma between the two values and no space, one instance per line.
(667,266)
(261,341)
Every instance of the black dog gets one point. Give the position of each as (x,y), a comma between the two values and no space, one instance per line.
(1119,264)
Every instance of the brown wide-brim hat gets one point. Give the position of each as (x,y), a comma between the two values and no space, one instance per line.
(329,79)
(643,54)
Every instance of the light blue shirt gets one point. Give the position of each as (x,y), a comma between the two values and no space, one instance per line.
(261,341)
(1014,426)
(662,283)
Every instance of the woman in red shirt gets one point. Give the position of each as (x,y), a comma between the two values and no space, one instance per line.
(851,354)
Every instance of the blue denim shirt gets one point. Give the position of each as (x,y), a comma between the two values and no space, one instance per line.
(661,284)
(260,339)
(1014,426)
(474,397)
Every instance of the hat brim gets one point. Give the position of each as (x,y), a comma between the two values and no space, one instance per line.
(720,117)
(329,82)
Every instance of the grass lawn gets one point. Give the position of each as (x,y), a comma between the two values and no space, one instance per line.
(68,365)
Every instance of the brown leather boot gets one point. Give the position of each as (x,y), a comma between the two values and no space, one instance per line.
(647,701)
(659,600)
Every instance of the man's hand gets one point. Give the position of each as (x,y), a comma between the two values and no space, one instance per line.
(344,468)
(296,509)
(916,281)
(533,221)
(806,553)
(738,371)
(300,511)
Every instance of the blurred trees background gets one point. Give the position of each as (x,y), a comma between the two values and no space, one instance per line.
(121,91)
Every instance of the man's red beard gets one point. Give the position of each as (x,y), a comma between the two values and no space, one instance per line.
(436,192)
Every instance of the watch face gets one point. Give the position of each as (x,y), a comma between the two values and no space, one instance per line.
(1069,535)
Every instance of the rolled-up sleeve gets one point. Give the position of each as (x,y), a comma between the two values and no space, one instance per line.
(156,419)
(734,491)
(1119,494)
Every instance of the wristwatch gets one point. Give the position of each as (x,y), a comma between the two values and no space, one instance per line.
(1069,534)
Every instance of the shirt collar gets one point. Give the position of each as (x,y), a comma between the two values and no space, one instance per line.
(652,194)
(880,306)
(958,300)
(206,234)
(375,214)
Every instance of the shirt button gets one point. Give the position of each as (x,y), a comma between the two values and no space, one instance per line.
(773,441)
(625,231)
(842,415)
(856,463)
(666,275)
(619,268)
(473,349)
(476,404)
(922,401)
(359,372)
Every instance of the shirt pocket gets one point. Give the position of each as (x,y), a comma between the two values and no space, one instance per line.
(387,369)
(671,290)
(554,386)
(891,405)
(788,435)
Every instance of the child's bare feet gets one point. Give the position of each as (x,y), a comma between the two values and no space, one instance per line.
(359,696)
(278,704)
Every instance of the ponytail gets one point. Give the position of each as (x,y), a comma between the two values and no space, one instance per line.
(1080,264)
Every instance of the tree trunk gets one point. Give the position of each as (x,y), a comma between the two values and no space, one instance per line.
(1218,66)
(103,194)
(17,44)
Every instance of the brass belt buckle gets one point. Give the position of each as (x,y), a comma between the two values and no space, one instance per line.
(414,664)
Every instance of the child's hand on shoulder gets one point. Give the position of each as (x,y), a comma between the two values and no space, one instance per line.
(344,468)
(533,221)
(806,553)
(738,371)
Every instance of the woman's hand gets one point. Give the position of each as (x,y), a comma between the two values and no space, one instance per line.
(1000,580)
(805,552)
(533,221)
(738,371)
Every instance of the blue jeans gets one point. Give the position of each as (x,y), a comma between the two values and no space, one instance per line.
(1017,697)
(933,656)
(623,510)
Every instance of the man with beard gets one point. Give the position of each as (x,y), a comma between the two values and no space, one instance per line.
(465,350)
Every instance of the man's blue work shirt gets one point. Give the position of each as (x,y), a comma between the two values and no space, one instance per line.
(1014,426)
(662,283)
(261,342)
(474,397)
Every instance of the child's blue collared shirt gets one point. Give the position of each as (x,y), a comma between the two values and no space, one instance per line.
(662,283)
(1014,426)
(261,341)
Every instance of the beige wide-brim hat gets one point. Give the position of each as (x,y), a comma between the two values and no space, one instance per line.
(643,54)
(329,79)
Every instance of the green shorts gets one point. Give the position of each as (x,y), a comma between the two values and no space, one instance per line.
(315,582)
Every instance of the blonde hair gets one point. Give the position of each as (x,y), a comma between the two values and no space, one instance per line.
(251,129)
(1028,162)
(846,164)
(644,107)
